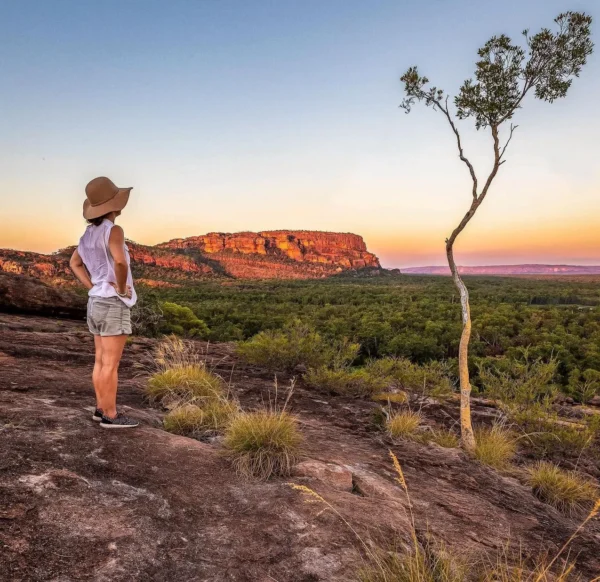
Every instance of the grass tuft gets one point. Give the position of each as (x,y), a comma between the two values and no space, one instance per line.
(188,382)
(423,564)
(444,438)
(496,446)
(263,443)
(193,420)
(395,397)
(404,424)
(568,491)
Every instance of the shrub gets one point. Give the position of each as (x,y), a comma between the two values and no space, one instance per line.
(496,446)
(346,381)
(566,490)
(518,384)
(432,378)
(550,435)
(404,424)
(146,316)
(584,386)
(182,321)
(263,443)
(295,344)
(187,382)
(191,420)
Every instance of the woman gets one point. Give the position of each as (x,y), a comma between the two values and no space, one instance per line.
(101,263)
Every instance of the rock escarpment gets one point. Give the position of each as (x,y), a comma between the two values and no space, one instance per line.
(342,250)
(280,254)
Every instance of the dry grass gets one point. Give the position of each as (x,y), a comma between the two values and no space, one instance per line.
(404,424)
(180,375)
(263,443)
(210,417)
(395,397)
(444,438)
(189,383)
(427,564)
(496,446)
(432,562)
(568,491)
(345,381)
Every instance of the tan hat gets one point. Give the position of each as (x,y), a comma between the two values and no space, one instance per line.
(103,197)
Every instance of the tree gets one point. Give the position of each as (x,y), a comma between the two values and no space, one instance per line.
(505,74)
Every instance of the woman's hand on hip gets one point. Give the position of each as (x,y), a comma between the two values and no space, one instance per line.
(127,293)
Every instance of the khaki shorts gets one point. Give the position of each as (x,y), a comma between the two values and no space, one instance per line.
(108,316)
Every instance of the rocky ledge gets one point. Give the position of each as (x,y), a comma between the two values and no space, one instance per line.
(77,503)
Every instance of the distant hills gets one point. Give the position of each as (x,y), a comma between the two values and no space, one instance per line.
(508,270)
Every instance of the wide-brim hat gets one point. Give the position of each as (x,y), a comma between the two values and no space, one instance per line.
(104,197)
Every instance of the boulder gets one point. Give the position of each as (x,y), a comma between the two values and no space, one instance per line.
(22,294)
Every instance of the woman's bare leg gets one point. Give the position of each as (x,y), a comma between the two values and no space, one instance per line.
(112,349)
(97,368)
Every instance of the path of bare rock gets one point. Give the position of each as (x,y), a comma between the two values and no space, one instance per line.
(81,503)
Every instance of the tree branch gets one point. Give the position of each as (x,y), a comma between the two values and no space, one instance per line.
(461,154)
(512,129)
(497,162)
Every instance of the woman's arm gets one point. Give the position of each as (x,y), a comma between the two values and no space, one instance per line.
(116,247)
(80,271)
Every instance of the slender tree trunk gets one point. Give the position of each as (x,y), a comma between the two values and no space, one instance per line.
(466,428)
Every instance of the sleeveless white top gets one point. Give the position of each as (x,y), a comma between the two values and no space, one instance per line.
(93,250)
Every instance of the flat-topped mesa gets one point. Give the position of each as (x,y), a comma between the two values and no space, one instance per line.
(344,250)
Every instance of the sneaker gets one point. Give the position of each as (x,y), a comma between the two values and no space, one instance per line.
(119,421)
(97,416)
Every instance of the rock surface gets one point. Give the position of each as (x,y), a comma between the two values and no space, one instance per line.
(81,503)
(24,294)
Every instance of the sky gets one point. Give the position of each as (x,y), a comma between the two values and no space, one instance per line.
(283,114)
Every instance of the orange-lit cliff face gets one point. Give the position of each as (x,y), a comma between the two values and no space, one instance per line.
(275,254)
(339,250)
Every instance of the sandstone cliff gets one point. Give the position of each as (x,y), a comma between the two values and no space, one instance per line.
(264,255)
(342,250)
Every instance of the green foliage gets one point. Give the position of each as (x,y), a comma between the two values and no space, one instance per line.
(583,386)
(517,383)
(296,344)
(550,436)
(182,321)
(146,316)
(346,381)
(554,318)
(506,72)
(431,378)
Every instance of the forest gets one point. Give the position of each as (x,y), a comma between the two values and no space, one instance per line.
(415,317)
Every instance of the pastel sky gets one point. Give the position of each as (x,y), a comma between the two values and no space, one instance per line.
(268,114)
